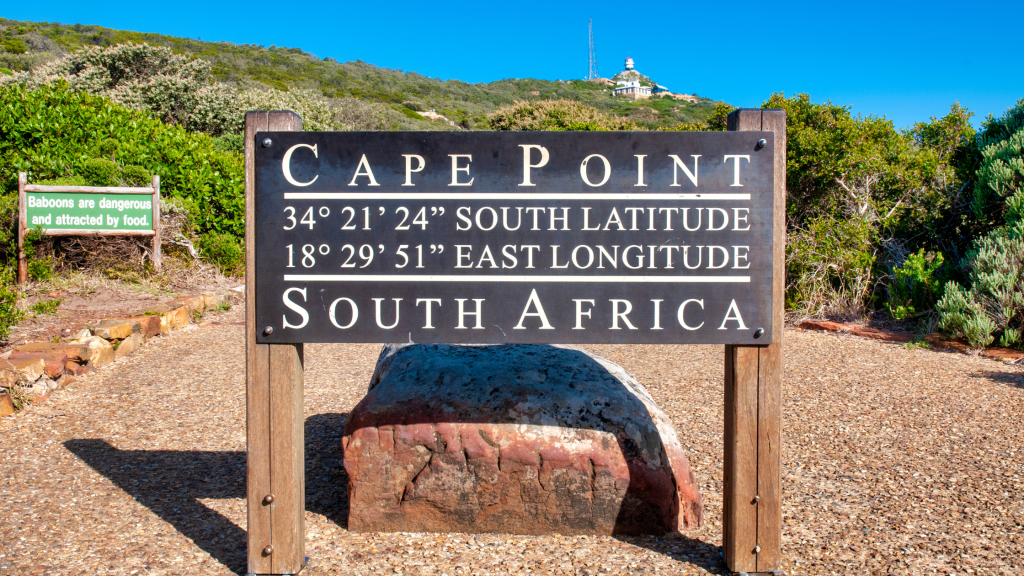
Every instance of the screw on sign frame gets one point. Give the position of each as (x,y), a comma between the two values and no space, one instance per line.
(274,357)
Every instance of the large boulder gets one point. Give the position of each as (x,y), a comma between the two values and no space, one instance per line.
(524,439)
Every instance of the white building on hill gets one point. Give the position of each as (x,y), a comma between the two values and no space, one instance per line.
(628,83)
(632,89)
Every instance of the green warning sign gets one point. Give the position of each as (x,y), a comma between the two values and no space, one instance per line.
(88,211)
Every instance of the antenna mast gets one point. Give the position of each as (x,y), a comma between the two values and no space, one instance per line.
(592,73)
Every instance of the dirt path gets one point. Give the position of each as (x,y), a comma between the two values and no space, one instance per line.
(895,461)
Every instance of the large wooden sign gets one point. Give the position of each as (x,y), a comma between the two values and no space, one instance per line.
(570,237)
(515,237)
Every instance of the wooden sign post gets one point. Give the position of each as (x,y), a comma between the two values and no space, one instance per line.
(514,237)
(88,211)
(752,499)
(275,453)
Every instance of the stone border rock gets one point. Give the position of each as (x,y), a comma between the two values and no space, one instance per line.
(35,370)
(935,339)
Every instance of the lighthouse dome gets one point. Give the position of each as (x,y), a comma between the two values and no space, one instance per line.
(629,63)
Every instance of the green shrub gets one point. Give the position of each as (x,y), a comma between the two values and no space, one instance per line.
(107,148)
(10,314)
(63,181)
(39,254)
(556,115)
(8,226)
(224,251)
(99,171)
(51,133)
(992,301)
(41,269)
(961,315)
(14,45)
(133,175)
(916,285)
(901,187)
(175,88)
(999,187)
(719,120)
(829,267)
(229,143)
(181,90)
(409,113)
(47,307)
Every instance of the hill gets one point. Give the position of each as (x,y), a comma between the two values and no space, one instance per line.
(25,45)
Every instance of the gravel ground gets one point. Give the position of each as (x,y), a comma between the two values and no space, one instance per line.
(895,461)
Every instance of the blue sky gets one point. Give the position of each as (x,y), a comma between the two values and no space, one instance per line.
(907,61)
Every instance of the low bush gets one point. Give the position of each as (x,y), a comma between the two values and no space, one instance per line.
(39,256)
(355,114)
(990,303)
(99,171)
(132,175)
(880,193)
(46,307)
(555,115)
(182,91)
(54,132)
(106,148)
(829,267)
(993,302)
(223,251)
(229,143)
(916,285)
(10,314)
(63,181)
(14,45)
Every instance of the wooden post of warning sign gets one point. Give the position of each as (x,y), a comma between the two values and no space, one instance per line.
(22,228)
(752,499)
(275,467)
(157,256)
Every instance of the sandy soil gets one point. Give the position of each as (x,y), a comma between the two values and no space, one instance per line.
(87,299)
(896,461)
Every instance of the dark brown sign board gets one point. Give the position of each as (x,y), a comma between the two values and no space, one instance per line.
(515,237)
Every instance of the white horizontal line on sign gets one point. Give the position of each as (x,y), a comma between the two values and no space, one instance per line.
(506,196)
(469,278)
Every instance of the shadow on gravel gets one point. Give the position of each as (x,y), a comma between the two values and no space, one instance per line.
(172,483)
(1013,379)
(326,481)
(681,548)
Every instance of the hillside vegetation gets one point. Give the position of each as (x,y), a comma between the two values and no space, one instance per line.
(244,65)
(923,226)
